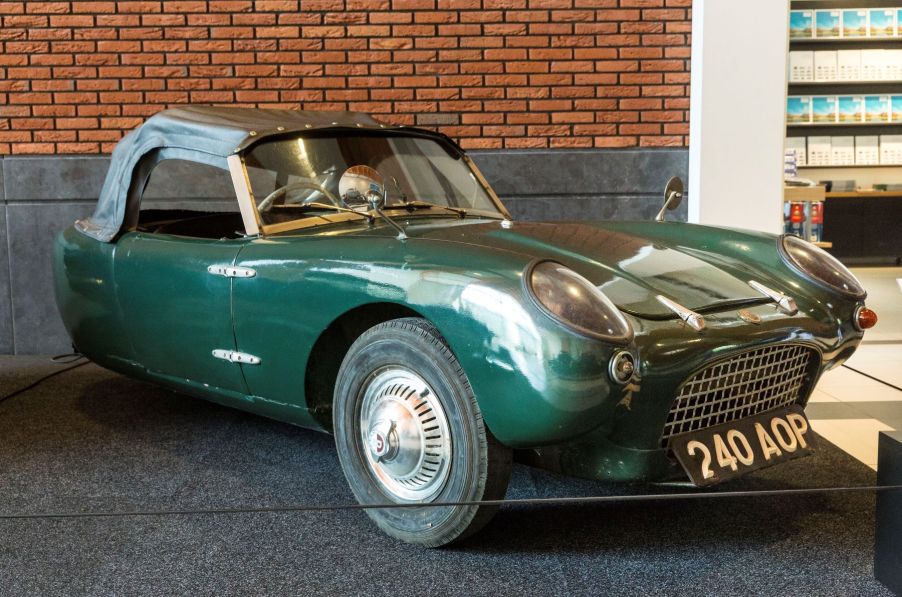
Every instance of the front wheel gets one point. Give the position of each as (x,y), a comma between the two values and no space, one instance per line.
(408,430)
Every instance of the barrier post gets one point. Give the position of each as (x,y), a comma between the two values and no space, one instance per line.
(888,551)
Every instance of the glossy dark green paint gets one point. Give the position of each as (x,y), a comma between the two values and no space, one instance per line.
(539,385)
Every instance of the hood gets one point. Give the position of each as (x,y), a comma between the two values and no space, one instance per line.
(629,269)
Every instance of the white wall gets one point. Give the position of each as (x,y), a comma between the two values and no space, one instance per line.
(737,113)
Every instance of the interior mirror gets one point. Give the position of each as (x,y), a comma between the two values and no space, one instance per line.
(362,185)
(673,196)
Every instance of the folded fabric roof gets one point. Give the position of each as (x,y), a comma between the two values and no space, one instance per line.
(205,134)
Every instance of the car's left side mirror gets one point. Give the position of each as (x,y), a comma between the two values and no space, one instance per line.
(673,196)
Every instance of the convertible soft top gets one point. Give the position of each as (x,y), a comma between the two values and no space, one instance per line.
(202,134)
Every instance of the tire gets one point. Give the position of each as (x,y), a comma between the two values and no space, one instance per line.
(408,430)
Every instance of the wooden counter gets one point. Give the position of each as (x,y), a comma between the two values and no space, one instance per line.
(863,194)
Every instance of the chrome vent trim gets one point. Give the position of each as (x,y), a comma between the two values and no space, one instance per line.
(785,303)
(744,385)
(689,317)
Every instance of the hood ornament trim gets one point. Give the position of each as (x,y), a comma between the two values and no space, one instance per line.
(689,317)
(785,303)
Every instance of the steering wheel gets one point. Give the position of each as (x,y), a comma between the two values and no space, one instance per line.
(301,184)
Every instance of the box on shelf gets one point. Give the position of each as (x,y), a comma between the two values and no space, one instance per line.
(801,66)
(867,150)
(819,151)
(892,66)
(872,63)
(801,24)
(798,110)
(790,164)
(797,146)
(896,108)
(886,66)
(891,149)
(876,108)
(854,23)
(842,151)
(825,66)
(823,109)
(882,22)
(848,65)
(898,22)
(851,108)
(827,23)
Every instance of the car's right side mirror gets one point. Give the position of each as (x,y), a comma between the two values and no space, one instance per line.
(673,196)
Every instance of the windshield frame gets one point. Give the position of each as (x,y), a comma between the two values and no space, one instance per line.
(248,201)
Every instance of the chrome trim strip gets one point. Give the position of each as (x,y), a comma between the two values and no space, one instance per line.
(690,317)
(236,357)
(231,271)
(785,303)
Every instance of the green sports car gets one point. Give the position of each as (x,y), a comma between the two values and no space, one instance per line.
(363,279)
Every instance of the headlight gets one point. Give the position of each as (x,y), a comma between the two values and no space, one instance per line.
(820,266)
(574,302)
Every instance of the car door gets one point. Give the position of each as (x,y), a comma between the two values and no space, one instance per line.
(174,278)
(175,295)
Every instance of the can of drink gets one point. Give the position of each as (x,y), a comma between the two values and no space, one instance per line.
(797,218)
(817,221)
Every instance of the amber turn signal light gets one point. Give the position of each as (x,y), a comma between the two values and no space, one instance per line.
(865,318)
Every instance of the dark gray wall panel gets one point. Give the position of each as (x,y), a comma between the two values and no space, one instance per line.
(605,207)
(563,172)
(6,322)
(32,227)
(602,184)
(53,178)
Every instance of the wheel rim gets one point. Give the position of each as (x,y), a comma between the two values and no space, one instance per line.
(405,435)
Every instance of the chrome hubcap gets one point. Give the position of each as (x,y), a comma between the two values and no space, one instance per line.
(405,434)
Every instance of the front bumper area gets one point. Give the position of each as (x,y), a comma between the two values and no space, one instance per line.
(629,446)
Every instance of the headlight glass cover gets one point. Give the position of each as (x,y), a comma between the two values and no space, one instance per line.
(573,301)
(820,266)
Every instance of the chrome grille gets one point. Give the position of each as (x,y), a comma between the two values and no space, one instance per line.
(741,386)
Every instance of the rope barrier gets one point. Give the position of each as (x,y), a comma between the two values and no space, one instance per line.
(660,497)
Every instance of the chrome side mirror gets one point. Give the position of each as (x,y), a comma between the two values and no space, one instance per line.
(673,196)
(362,185)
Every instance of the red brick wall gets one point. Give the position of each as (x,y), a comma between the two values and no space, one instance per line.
(490,73)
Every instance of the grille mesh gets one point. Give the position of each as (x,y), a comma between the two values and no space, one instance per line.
(747,384)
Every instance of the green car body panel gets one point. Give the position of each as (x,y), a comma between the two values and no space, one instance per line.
(146,305)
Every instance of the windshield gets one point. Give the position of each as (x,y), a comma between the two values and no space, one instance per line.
(296,178)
